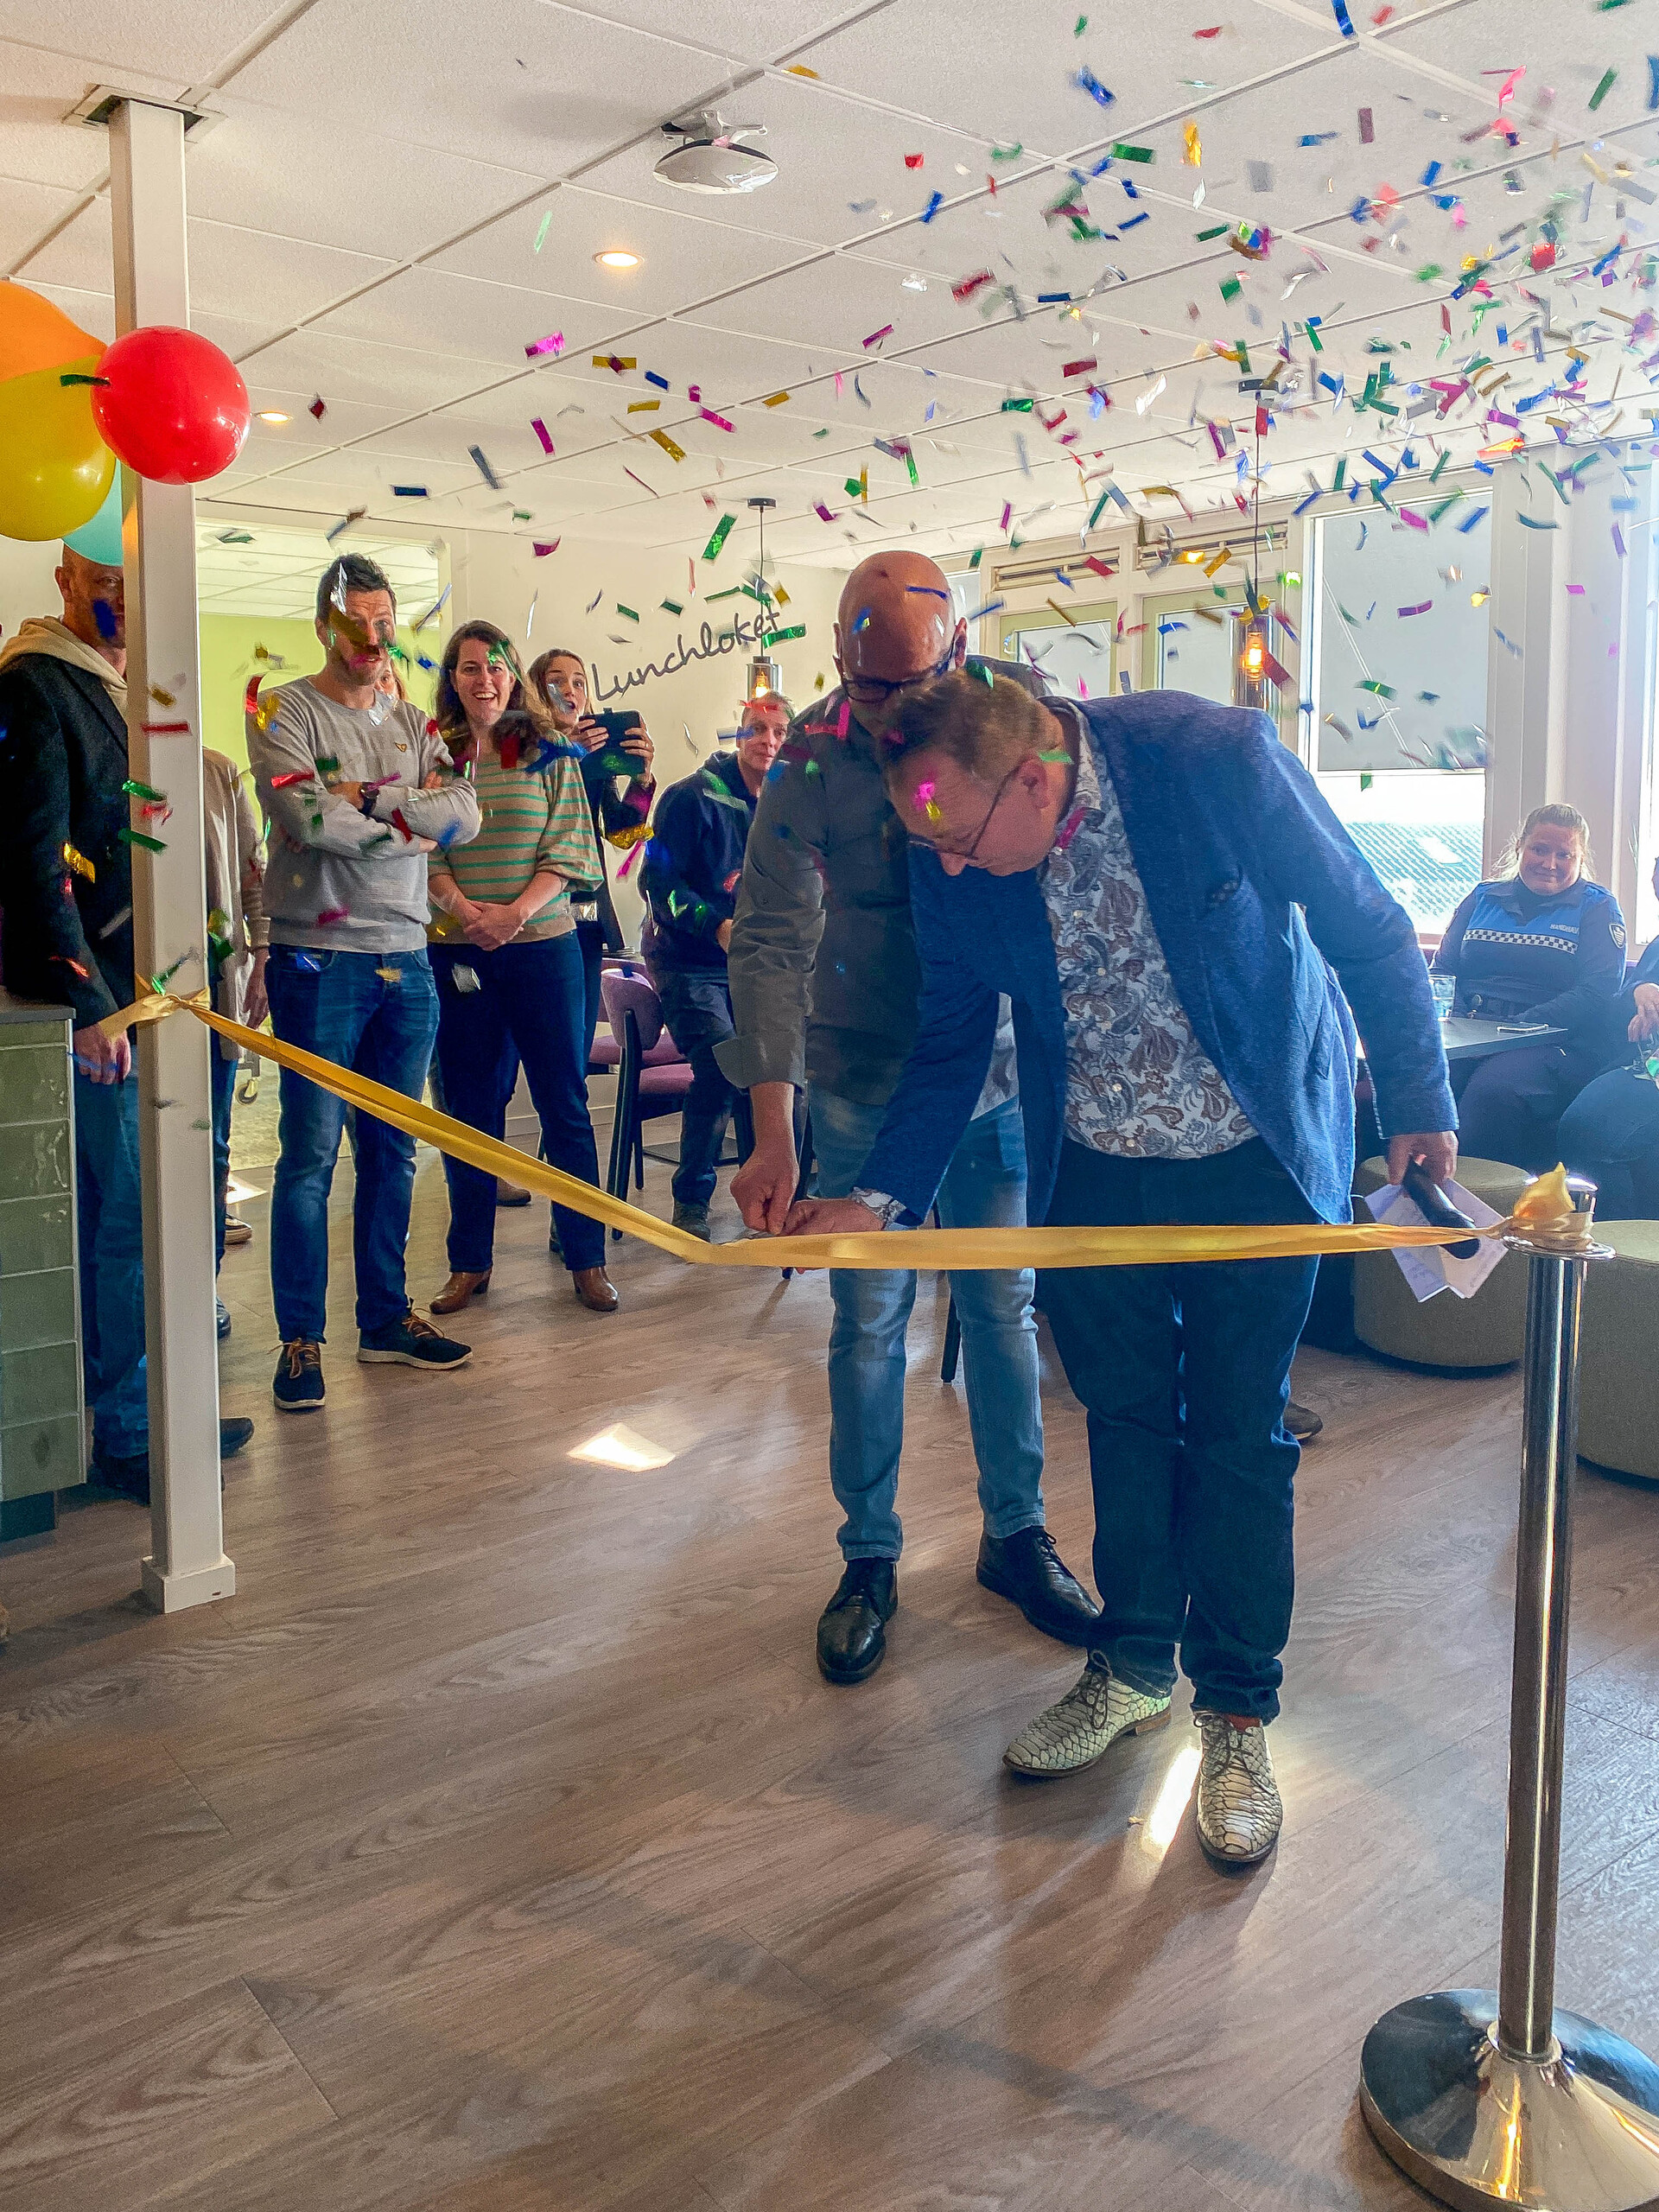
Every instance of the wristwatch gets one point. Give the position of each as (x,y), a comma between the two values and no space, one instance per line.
(892,1213)
(366,800)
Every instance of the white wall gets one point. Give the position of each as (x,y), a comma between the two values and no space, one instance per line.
(26,585)
(495,579)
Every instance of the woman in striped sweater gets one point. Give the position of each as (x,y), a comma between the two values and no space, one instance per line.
(504,955)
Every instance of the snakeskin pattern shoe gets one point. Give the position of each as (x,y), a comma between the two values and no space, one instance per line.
(1088,1720)
(1239,1813)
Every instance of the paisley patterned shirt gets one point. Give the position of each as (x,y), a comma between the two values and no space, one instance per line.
(1138,1082)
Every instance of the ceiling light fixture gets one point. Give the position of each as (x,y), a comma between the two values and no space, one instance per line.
(711,157)
(272,415)
(616,257)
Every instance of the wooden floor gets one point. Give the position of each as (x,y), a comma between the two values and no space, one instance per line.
(499,1846)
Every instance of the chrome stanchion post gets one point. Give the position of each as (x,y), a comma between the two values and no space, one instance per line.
(1494,2097)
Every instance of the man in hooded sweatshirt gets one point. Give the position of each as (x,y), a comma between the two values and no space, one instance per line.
(66,882)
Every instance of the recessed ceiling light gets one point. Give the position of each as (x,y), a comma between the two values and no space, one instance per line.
(617,257)
(272,415)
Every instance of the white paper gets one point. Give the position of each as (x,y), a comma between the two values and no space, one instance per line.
(1429,1269)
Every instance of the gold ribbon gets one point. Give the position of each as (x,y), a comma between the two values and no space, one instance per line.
(1160,1244)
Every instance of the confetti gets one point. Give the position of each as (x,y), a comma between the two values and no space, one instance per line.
(615,362)
(1123,153)
(1194,155)
(876,336)
(409,491)
(354,514)
(662,438)
(1402,612)
(542,551)
(137,837)
(1608,81)
(1344,21)
(1086,82)
(79,863)
(913,161)
(541,235)
(719,421)
(476,453)
(628,610)
(723,530)
(936,200)
(553,343)
(777,399)
(1367,129)
(317,408)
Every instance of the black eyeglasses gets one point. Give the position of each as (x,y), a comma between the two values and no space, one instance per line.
(967,852)
(876,691)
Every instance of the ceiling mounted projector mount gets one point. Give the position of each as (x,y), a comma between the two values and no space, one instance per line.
(713,154)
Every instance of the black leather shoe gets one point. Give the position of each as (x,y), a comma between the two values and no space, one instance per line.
(1027,1569)
(851,1644)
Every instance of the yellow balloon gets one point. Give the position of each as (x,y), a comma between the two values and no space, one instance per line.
(55,468)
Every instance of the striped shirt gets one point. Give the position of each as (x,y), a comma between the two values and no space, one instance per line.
(532,819)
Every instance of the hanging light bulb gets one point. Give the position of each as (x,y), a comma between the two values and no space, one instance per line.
(764,675)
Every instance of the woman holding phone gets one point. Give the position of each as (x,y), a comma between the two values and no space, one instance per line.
(619,798)
(504,956)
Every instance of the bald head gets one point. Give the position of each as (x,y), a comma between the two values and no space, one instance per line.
(94,604)
(896,624)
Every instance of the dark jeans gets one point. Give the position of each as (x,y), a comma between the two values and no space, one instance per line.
(375,1011)
(221,1085)
(1185,1372)
(1611,1133)
(697,1008)
(528,1007)
(1510,1105)
(111,1231)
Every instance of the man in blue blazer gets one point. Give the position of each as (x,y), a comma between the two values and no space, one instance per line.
(1181,923)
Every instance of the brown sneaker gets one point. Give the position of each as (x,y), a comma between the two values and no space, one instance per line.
(595,1290)
(460,1290)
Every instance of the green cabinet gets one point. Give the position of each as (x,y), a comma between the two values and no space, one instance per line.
(41,1425)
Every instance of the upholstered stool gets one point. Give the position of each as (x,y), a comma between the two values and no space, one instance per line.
(1447,1332)
(1616,1425)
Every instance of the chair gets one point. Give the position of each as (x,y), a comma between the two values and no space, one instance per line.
(605,1054)
(1446,1331)
(1621,1307)
(653,1074)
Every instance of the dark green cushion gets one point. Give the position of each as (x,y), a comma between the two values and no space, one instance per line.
(1617,1424)
(1485,1331)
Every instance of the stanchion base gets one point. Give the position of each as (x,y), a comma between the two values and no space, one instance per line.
(1578,2131)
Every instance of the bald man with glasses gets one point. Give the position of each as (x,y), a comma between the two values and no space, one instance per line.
(825,984)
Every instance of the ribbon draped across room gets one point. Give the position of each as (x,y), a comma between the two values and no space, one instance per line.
(1543,1206)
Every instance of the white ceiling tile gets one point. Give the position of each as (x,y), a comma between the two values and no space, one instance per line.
(37,90)
(536,88)
(331,367)
(372,190)
(931,56)
(727,26)
(26,211)
(465,317)
(686,252)
(177,41)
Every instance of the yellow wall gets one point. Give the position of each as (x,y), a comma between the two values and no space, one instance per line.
(228,662)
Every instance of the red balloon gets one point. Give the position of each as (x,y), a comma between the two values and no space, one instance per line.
(170,405)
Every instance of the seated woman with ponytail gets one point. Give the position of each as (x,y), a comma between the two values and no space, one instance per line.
(1540,942)
(504,956)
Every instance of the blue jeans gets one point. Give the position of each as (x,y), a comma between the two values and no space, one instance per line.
(530,1006)
(984,1185)
(375,1011)
(697,1008)
(111,1239)
(221,1088)
(1184,1373)
(1611,1133)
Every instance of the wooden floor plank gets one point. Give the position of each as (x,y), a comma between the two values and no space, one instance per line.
(498,1843)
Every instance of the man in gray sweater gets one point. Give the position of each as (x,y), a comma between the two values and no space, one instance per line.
(358,789)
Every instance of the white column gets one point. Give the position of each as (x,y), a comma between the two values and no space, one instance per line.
(1568,713)
(188,1565)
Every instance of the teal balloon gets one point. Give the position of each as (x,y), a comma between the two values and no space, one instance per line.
(99,539)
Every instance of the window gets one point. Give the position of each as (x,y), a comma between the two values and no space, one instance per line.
(1399,740)
(1075,656)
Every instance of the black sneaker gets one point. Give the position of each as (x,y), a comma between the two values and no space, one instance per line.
(410,1342)
(234,1435)
(297,1385)
(222,1319)
(126,1472)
